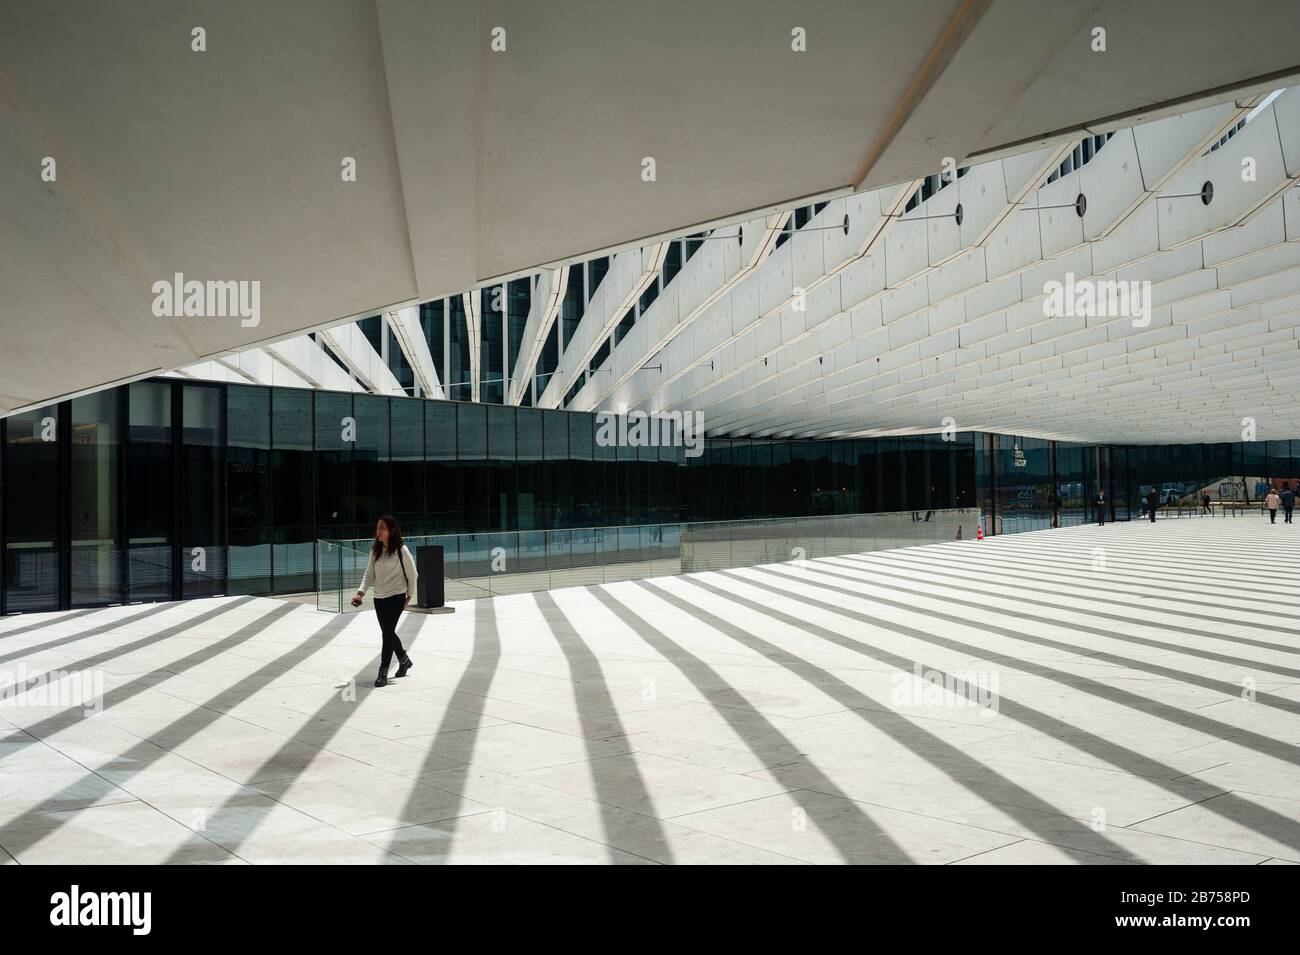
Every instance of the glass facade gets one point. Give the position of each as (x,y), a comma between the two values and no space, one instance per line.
(167,488)
(31,475)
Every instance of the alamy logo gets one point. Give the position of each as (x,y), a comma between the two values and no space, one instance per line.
(636,429)
(62,688)
(924,687)
(103,908)
(1113,298)
(194,299)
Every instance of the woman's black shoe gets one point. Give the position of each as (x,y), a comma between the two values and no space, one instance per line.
(382,679)
(404,665)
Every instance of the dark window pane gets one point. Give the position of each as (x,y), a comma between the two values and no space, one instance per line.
(334,427)
(203,541)
(458,383)
(31,513)
(501,468)
(471,466)
(672,261)
(582,478)
(573,305)
(149,491)
(492,305)
(431,320)
(529,469)
(596,271)
(519,300)
(292,481)
(441,492)
(370,463)
(96,558)
(407,468)
(248,491)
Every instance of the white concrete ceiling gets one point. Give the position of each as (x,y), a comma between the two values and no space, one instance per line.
(474,164)
(915,323)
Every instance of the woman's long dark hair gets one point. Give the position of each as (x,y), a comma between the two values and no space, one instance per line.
(394,537)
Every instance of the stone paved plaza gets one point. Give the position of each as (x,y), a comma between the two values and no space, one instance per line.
(1126,694)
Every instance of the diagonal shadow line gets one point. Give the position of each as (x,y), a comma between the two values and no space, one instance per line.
(1138,549)
(246,687)
(1069,557)
(585,670)
(1291,705)
(730,703)
(1230,806)
(861,567)
(1000,561)
(1138,589)
(474,683)
(947,565)
(1179,717)
(152,610)
(52,621)
(59,720)
(146,752)
(988,784)
(1169,537)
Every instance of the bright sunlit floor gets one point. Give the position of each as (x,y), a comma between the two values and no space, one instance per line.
(1124,694)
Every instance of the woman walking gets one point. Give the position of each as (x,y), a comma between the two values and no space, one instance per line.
(392,572)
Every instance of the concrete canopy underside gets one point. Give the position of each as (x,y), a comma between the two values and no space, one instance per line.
(944,315)
(474,165)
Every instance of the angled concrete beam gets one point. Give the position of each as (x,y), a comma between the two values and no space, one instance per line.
(352,348)
(405,323)
(541,316)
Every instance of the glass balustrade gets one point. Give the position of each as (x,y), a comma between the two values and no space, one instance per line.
(511,562)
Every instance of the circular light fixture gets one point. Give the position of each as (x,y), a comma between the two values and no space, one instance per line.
(958,214)
(1207,193)
(1080,205)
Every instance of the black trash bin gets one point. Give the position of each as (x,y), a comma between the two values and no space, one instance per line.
(429,590)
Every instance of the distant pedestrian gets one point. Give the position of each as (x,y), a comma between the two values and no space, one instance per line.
(1100,503)
(1054,502)
(1205,504)
(1272,502)
(1288,503)
(1153,503)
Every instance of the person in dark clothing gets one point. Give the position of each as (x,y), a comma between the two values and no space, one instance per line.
(1054,502)
(1288,503)
(1153,503)
(1205,504)
(1101,504)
